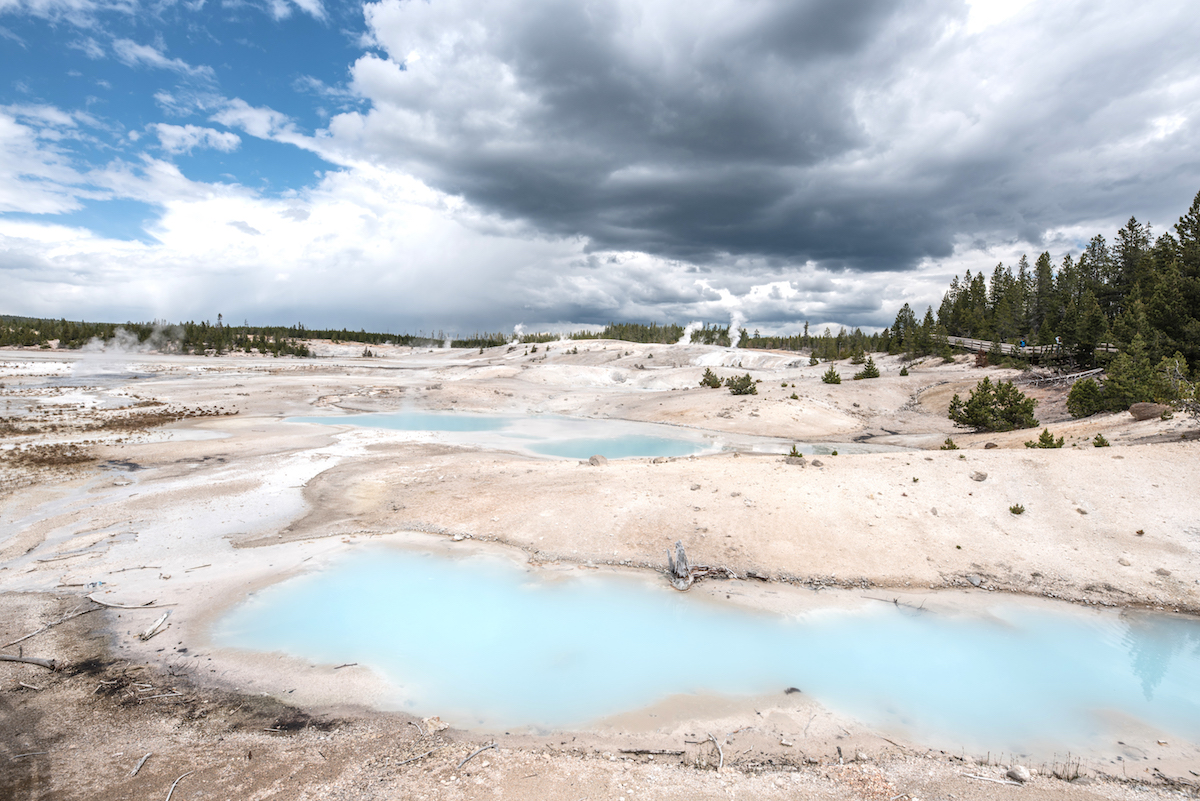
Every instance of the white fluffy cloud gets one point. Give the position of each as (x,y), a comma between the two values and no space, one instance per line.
(186,138)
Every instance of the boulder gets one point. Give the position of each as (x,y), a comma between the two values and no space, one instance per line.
(800,460)
(978,476)
(597,461)
(1147,411)
(1018,773)
(989,446)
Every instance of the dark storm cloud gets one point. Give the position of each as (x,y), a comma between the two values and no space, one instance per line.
(867,134)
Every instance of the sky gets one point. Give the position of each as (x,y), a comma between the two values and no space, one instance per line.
(474,165)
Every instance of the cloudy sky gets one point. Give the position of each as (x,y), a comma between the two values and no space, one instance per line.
(468,165)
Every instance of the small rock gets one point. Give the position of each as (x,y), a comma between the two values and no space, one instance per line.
(975,580)
(859,756)
(435,724)
(933,511)
(817,463)
(660,460)
(1018,773)
(800,460)
(978,476)
(597,461)
(1147,411)
(1162,571)
(855,405)
(695,487)
(989,445)
(1123,561)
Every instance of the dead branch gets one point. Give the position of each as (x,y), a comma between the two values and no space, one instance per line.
(720,753)
(177,781)
(30,753)
(30,686)
(138,766)
(155,627)
(48,626)
(49,664)
(651,751)
(990,779)
(422,756)
(474,754)
(147,605)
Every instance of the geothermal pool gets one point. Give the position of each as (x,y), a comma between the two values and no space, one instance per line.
(575,438)
(484,642)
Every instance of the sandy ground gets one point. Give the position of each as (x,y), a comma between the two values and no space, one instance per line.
(176,481)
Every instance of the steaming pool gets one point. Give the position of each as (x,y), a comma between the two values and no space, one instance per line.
(484,642)
(573,437)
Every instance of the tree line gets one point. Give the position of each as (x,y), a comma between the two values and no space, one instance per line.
(1140,292)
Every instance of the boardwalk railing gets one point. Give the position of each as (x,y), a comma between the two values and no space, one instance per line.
(1016,350)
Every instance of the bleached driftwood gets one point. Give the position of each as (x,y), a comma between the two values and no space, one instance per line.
(682,574)
(48,664)
(155,626)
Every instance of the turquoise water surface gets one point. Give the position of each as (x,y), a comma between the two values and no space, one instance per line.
(483,642)
(548,435)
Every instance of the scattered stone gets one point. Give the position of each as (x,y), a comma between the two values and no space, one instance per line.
(1018,773)
(597,461)
(975,580)
(933,511)
(859,756)
(1123,561)
(1162,571)
(800,460)
(695,487)
(1147,411)
(660,460)
(989,445)
(817,463)
(978,476)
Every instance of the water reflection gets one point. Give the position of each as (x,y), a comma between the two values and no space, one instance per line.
(1154,641)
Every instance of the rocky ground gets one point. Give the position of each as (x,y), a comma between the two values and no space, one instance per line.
(174,481)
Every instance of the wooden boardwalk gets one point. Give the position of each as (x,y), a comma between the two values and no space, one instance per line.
(1029,351)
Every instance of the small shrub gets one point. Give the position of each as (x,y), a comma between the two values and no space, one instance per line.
(833,454)
(813,360)
(1017,509)
(859,357)
(1085,398)
(1167,414)
(795,396)
(831,376)
(903,371)
(869,370)
(710,379)
(1100,441)
(948,445)
(916,480)
(741,385)
(784,385)
(1046,440)
(533,349)
(795,454)
(994,407)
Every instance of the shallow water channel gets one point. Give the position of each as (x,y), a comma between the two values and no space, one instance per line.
(484,642)
(573,437)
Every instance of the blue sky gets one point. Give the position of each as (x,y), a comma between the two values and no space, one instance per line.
(471,165)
